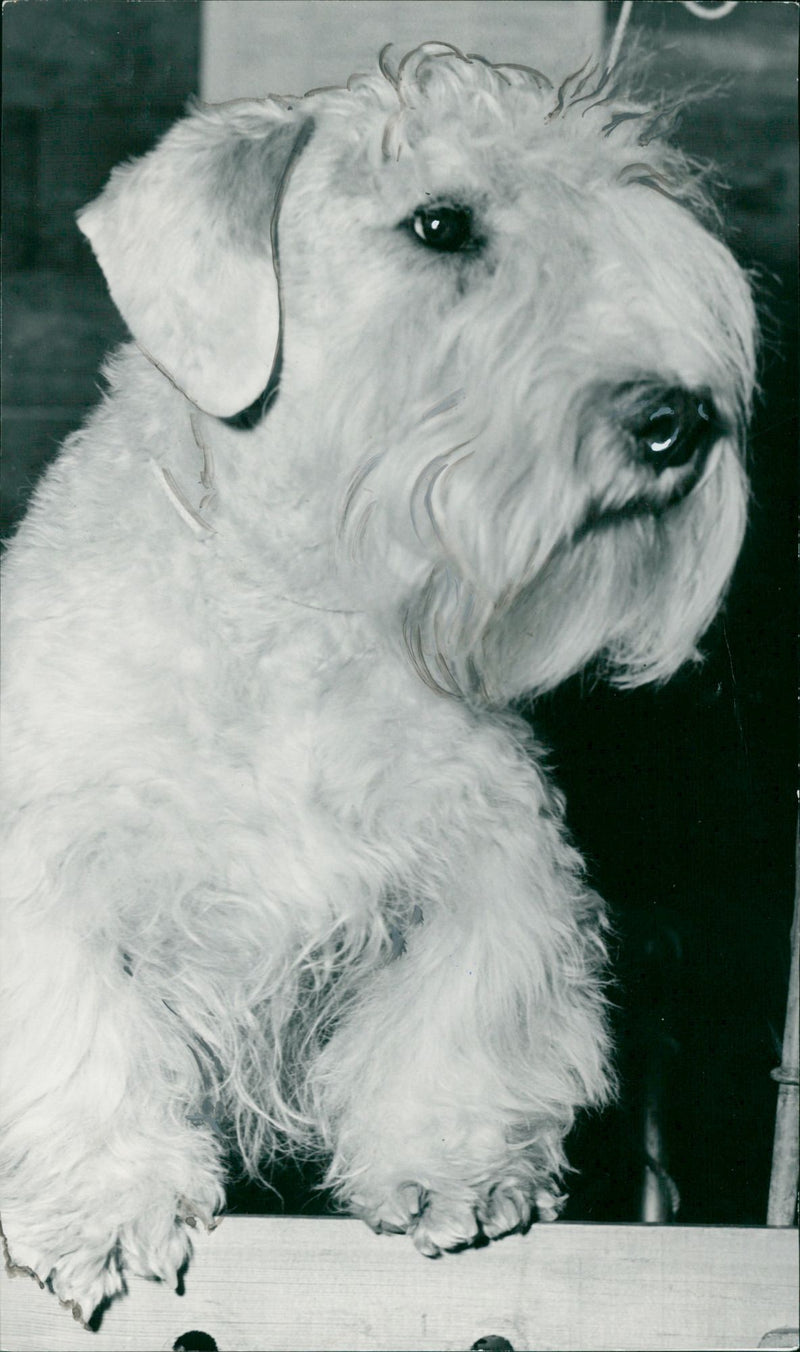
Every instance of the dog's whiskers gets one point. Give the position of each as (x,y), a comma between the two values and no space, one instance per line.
(355,486)
(427,480)
(324,610)
(445,405)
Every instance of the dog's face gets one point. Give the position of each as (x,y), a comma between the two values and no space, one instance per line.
(526,363)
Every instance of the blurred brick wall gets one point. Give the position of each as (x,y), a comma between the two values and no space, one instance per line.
(85,85)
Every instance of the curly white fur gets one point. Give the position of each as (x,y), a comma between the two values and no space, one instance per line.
(275,854)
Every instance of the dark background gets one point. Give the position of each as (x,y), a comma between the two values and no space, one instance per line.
(683,800)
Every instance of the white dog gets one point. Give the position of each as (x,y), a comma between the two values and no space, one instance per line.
(277,856)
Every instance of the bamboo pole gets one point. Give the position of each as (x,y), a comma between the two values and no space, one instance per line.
(782,1205)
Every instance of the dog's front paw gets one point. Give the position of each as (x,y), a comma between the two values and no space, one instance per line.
(447,1224)
(85,1260)
(82,1276)
(442,1220)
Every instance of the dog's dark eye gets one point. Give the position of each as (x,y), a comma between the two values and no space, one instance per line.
(449,229)
(677,427)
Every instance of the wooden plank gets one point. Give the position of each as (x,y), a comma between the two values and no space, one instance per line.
(268,1283)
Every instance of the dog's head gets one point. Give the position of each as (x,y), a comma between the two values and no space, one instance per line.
(524,361)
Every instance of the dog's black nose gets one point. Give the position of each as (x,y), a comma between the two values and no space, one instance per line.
(679,427)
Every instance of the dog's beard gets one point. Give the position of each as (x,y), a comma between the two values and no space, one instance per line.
(635,590)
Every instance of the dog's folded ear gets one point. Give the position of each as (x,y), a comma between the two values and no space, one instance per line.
(186,237)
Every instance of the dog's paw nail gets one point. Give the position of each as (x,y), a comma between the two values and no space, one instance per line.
(508,1209)
(549,1205)
(426,1245)
(413,1198)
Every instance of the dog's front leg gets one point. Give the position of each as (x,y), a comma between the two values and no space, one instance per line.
(446,1093)
(102,1165)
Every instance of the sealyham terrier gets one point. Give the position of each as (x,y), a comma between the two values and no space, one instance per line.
(280,861)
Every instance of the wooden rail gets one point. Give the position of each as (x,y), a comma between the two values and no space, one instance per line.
(259,1284)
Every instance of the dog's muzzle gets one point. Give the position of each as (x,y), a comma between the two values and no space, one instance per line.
(651,428)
